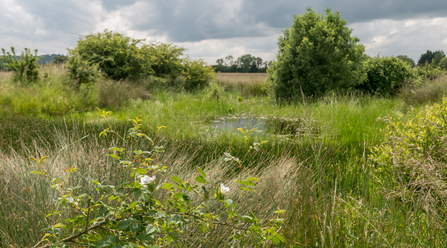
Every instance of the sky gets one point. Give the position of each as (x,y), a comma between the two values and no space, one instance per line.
(211,29)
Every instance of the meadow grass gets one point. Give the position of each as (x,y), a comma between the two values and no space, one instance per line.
(322,179)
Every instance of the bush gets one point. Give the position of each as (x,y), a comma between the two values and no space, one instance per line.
(385,75)
(407,59)
(24,67)
(414,155)
(197,73)
(428,72)
(317,54)
(117,55)
(443,64)
(81,71)
(166,59)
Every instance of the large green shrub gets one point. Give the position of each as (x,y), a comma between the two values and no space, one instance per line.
(414,156)
(316,54)
(81,71)
(25,67)
(385,75)
(197,73)
(117,55)
(166,59)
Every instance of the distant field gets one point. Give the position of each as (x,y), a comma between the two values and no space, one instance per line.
(241,77)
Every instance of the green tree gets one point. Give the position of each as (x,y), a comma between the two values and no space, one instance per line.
(60,59)
(431,57)
(407,59)
(316,54)
(438,56)
(443,63)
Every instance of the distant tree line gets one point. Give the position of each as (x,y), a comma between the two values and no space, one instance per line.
(244,63)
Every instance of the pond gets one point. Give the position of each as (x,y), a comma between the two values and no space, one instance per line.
(273,125)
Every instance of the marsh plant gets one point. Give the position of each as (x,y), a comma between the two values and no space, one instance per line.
(140,211)
(25,67)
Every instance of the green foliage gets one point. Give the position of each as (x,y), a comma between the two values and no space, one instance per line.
(82,71)
(428,72)
(25,67)
(385,75)
(117,55)
(407,59)
(316,54)
(197,73)
(60,59)
(414,155)
(3,66)
(166,59)
(142,212)
(443,64)
(431,57)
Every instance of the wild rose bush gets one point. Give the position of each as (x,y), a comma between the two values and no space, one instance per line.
(142,211)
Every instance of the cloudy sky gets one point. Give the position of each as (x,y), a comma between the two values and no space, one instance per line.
(212,29)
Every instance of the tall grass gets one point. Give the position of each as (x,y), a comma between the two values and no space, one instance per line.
(326,191)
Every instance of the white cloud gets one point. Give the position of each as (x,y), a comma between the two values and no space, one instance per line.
(411,37)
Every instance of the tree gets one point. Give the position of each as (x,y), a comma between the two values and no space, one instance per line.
(431,57)
(438,56)
(60,59)
(316,54)
(443,63)
(407,59)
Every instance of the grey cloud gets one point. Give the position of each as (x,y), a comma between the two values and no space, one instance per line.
(202,19)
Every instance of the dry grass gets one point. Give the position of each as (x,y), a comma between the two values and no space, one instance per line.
(240,77)
(431,91)
(249,84)
(5,75)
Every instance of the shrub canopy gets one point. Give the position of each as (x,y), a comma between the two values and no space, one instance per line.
(317,54)
(385,75)
(117,55)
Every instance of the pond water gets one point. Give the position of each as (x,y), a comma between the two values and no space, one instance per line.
(264,126)
(232,124)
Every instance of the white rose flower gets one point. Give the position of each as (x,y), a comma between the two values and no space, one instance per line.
(224,189)
(147,180)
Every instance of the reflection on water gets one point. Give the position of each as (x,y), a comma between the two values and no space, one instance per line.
(232,124)
(284,127)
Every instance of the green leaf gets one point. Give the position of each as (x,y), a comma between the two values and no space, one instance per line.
(114,156)
(276,240)
(150,229)
(178,195)
(168,186)
(200,179)
(228,203)
(201,172)
(176,179)
(124,224)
